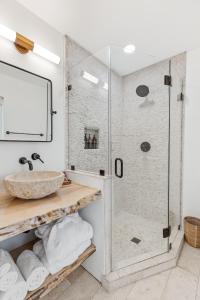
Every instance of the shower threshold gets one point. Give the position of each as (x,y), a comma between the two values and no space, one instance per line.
(149,267)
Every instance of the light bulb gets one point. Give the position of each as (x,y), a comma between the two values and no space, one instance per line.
(37,49)
(129,49)
(7,33)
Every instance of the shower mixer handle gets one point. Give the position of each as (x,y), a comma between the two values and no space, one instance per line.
(119,175)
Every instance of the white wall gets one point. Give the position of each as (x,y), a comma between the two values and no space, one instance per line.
(98,214)
(19,19)
(191,167)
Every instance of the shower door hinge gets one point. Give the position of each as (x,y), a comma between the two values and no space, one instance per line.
(168,80)
(180,97)
(69,87)
(166,232)
(102,172)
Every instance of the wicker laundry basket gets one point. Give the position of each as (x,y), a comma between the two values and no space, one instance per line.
(192,231)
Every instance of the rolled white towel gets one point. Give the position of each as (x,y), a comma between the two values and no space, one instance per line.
(38,248)
(5,263)
(9,278)
(17,292)
(55,265)
(32,269)
(39,251)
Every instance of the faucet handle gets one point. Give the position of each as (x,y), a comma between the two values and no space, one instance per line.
(36,156)
(41,160)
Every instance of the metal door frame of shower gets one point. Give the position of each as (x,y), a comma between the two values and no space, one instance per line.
(169,149)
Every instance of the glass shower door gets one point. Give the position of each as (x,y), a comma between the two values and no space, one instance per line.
(140,157)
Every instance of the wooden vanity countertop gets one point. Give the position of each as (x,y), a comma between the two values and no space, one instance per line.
(19,215)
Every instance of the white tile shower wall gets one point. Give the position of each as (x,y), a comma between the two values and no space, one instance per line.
(145,174)
(145,182)
(20,19)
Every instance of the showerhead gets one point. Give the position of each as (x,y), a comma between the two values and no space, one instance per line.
(142,90)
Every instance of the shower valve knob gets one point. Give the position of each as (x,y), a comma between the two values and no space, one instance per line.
(145,146)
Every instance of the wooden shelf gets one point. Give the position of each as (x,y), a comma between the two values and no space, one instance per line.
(53,281)
(19,215)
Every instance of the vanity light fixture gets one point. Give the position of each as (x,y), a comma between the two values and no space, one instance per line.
(90,77)
(129,49)
(24,45)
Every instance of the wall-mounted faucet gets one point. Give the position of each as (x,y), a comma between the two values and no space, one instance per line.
(24,160)
(36,156)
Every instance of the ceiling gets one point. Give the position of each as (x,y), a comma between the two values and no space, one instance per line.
(159,29)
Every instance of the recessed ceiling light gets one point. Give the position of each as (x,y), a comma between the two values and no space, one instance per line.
(129,49)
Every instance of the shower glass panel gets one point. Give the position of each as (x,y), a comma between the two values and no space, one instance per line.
(140,145)
(87,104)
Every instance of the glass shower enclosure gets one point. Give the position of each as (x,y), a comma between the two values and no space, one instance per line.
(140,135)
(120,125)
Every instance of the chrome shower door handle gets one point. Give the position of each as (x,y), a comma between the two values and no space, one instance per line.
(117,162)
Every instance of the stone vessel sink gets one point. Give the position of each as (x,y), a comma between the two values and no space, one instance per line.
(33,185)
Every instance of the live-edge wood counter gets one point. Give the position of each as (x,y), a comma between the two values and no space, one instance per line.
(19,215)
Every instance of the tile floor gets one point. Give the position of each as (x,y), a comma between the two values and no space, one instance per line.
(180,283)
(149,231)
(125,227)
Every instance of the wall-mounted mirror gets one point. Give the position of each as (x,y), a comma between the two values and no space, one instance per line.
(25,105)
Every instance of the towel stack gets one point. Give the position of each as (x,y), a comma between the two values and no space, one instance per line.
(62,242)
(12,284)
(17,280)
